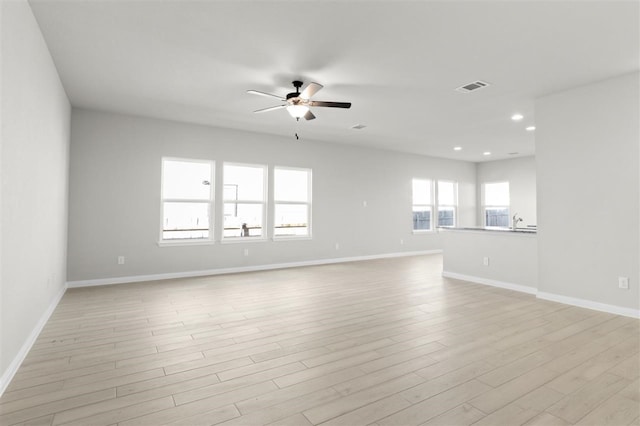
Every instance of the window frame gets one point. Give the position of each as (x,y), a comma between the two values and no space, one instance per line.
(264,203)
(308,203)
(454,206)
(430,206)
(486,206)
(210,204)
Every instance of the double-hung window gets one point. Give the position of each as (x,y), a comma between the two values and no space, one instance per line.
(447,203)
(496,204)
(187,200)
(244,193)
(292,202)
(422,205)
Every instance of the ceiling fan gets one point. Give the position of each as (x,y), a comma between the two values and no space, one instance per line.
(297,103)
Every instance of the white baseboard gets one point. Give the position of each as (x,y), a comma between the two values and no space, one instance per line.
(11,371)
(493,283)
(220,271)
(589,304)
(573,301)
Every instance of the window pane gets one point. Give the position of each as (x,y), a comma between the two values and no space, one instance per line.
(447,193)
(496,217)
(243,220)
(185,220)
(248,181)
(187,180)
(291,219)
(421,191)
(496,194)
(230,192)
(446,216)
(421,218)
(291,185)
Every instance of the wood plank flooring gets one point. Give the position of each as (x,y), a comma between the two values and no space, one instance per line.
(382,342)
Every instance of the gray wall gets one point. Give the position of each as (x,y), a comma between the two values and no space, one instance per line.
(115,204)
(34,170)
(521,175)
(587,154)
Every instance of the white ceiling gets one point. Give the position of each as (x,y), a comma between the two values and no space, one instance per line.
(398,62)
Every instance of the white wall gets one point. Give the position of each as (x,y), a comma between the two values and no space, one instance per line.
(115,189)
(512,258)
(587,154)
(521,175)
(33,174)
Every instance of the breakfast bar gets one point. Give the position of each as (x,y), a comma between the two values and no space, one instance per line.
(500,257)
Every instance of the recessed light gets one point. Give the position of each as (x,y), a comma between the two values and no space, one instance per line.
(457,148)
(517,117)
(486,153)
(530,128)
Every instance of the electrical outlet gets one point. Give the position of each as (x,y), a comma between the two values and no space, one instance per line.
(364,204)
(623,283)
(401,241)
(337,246)
(246,252)
(485,261)
(120,260)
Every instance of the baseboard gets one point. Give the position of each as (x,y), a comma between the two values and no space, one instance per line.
(573,301)
(11,371)
(490,282)
(589,304)
(255,268)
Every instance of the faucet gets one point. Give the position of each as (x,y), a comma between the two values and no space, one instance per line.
(516,219)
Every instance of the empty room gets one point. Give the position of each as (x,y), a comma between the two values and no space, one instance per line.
(319,212)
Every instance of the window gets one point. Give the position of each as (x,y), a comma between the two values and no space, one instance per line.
(422,205)
(447,203)
(292,202)
(496,204)
(244,200)
(187,199)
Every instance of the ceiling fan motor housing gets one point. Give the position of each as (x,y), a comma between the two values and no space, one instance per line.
(297,84)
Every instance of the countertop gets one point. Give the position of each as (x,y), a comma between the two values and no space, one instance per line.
(489,229)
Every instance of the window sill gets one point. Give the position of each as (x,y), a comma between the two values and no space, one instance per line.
(178,243)
(237,240)
(422,231)
(300,238)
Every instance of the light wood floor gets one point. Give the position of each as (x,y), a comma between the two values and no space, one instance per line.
(385,342)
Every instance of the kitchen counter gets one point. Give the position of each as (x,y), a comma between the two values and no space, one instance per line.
(499,257)
(490,229)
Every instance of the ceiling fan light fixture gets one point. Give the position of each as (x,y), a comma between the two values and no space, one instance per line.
(297,111)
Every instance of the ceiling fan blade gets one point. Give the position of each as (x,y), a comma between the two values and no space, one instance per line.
(309,115)
(310,90)
(257,92)
(330,104)
(273,108)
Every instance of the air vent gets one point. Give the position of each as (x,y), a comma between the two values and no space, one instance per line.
(471,87)
(358,127)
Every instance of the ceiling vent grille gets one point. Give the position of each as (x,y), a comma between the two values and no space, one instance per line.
(358,127)
(473,86)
